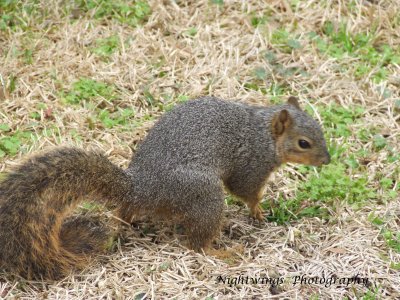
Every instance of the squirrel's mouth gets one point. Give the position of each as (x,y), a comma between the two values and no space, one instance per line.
(324,161)
(315,161)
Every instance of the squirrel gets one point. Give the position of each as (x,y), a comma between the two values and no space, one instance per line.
(178,172)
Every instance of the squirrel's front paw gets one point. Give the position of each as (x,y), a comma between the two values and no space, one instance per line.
(225,254)
(257,213)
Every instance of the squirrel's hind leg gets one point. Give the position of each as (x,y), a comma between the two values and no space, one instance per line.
(203,224)
(202,214)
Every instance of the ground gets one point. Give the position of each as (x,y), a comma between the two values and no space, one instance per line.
(97,74)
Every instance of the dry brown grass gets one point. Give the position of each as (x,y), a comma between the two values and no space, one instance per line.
(219,60)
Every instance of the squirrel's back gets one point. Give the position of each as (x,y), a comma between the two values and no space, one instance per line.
(205,132)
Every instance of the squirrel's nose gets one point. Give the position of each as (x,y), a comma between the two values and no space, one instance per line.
(327,159)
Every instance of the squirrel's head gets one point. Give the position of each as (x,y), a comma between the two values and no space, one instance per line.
(299,138)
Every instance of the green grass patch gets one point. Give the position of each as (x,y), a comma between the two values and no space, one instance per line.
(120,117)
(372,57)
(128,12)
(333,182)
(106,47)
(11,142)
(331,185)
(337,119)
(285,41)
(391,238)
(4,127)
(232,200)
(16,14)
(217,2)
(123,118)
(86,89)
(26,15)
(395,266)
(191,32)
(371,295)
(257,19)
(340,122)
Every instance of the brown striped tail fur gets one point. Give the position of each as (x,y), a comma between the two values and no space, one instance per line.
(37,239)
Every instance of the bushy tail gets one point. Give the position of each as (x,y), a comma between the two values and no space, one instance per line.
(36,238)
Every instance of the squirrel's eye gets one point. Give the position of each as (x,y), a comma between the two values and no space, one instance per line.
(304,144)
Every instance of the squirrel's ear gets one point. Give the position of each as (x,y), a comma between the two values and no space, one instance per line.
(294,101)
(281,122)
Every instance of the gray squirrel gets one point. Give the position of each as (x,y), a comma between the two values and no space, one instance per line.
(178,173)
